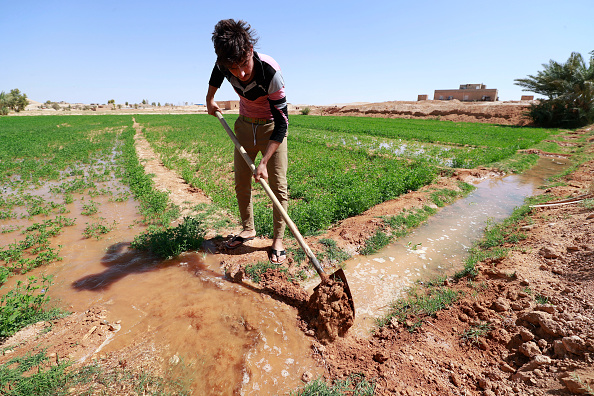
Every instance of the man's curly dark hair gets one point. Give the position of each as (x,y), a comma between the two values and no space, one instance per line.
(233,41)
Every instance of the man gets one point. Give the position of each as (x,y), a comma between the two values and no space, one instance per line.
(261,125)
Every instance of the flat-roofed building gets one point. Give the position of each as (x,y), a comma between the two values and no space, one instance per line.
(467,93)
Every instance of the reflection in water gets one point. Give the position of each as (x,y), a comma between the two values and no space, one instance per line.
(440,245)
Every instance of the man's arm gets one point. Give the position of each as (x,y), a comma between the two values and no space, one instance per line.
(211,105)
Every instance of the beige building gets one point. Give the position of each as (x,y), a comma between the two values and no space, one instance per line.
(467,93)
(229,104)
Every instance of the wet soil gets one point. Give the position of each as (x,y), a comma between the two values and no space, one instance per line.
(529,348)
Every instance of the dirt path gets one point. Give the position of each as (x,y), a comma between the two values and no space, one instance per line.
(180,193)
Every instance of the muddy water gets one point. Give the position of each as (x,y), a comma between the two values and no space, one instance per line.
(223,336)
(440,245)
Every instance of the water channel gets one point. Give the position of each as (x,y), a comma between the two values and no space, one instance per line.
(236,340)
(440,245)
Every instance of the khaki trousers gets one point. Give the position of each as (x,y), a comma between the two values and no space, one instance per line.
(254,139)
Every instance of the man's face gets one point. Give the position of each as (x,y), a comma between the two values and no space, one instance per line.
(244,70)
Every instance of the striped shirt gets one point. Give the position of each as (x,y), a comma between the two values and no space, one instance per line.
(263,97)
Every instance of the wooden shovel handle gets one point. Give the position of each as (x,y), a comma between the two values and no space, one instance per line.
(275,201)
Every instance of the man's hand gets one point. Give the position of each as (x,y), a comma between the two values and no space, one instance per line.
(261,172)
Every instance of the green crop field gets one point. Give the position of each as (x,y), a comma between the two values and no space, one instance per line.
(338,166)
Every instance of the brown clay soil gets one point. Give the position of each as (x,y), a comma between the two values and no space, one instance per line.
(505,113)
(528,348)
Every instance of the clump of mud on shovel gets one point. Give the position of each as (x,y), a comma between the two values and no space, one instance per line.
(327,313)
(330,311)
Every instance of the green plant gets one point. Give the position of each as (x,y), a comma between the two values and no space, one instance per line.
(96,230)
(540,299)
(569,88)
(376,242)
(305,110)
(23,305)
(37,374)
(256,270)
(472,334)
(170,242)
(89,208)
(355,385)
(419,303)
(588,203)
(332,253)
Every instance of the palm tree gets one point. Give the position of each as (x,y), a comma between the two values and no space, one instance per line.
(569,88)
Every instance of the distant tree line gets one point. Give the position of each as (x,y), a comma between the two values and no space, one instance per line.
(569,91)
(15,100)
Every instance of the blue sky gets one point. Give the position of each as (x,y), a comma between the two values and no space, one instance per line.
(329,51)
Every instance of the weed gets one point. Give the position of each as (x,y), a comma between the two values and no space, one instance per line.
(305,110)
(355,385)
(587,389)
(170,242)
(588,203)
(96,230)
(298,254)
(418,304)
(472,335)
(376,242)
(23,305)
(35,374)
(332,253)
(89,208)
(255,271)
(540,299)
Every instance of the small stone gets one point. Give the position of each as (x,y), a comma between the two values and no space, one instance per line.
(506,368)
(557,270)
(526,334)
(549,252)
(545,308)
(455,379)
(573,344)
(483,345)
(380,357)
(559,348)
(307,377)
(529,349)
(484,383)
(574,385)
(174,360)
(500,305)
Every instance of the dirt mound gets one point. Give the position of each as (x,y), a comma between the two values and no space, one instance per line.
(278,283)
(505,113)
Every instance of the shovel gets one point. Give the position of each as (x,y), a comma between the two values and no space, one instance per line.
(338,275)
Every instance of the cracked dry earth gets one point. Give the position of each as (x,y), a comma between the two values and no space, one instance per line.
(538,303)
